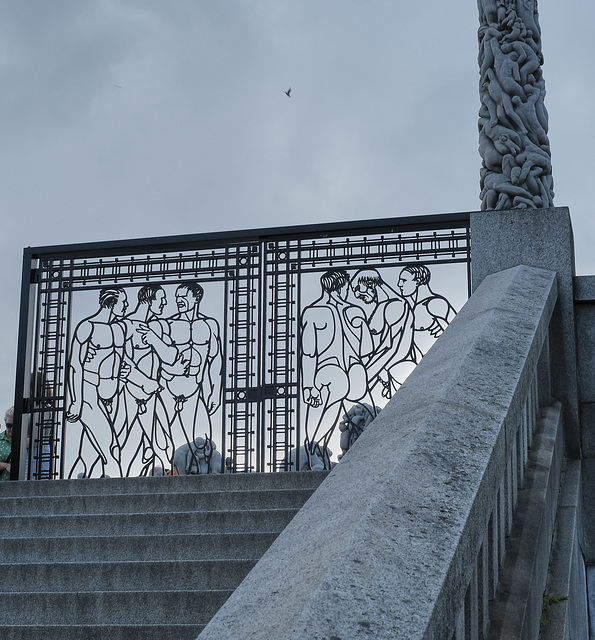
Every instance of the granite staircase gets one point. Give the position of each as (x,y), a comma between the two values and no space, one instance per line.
(132,558)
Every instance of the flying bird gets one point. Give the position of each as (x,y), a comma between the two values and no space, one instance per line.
(288,92)
(118,86)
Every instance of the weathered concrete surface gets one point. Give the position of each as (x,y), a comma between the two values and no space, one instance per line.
(567,616)
(584,310)
(517,608)
(385,547)
(584,295)
(122,558)
(539,238)
(584,292)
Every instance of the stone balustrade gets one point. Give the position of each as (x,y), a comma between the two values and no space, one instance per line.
(406,537)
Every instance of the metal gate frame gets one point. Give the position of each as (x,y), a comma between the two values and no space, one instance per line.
(261,272)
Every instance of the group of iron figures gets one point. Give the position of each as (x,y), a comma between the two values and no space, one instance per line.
(142,385)
(360,340)
(513,120)
(139,383)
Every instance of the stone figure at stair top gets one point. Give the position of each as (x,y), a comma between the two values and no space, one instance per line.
(391,324)
(335,339)
(96,369)
(199,456)
(354,422)
(313,458)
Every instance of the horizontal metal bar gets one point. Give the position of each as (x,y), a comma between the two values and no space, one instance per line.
(225,238)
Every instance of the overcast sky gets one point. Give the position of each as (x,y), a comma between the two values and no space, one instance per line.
(140,118)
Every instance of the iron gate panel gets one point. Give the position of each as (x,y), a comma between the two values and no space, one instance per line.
(129,350)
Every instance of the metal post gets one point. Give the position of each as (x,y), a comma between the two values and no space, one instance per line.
(22,380)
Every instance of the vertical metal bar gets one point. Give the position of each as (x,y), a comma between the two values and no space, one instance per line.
(35,338)
(261,353)
(26,318)
(65,373)
(224,385)
(298,348)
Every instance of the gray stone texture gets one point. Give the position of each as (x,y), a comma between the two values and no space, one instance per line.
(585,327)
(386,550)
(567,615)
(151,558)
(588,477)
(517,608)
(584,289)
(516,168)
(543,239)
(584,292)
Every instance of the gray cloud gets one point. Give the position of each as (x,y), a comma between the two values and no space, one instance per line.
(200,137)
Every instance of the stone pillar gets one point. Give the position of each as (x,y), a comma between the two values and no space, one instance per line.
(543,239)
(516,168)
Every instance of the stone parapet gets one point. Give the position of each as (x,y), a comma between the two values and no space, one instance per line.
(405,536)
(541,238)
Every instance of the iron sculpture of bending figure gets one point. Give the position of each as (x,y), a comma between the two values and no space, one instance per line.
(96,368)
(335,339)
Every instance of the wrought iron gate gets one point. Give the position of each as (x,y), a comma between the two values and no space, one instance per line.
(235,352)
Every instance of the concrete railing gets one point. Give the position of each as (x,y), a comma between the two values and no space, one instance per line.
(406,536)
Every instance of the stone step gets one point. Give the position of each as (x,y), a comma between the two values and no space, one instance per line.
(112,607)
(102,632)
(167,484)
(145,523)
(83,577)
(124,559)
(174,547)
(154,502)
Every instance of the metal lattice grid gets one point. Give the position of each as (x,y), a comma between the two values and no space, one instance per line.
(243,386)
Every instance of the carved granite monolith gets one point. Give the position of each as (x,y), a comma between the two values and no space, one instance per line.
(516,168)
